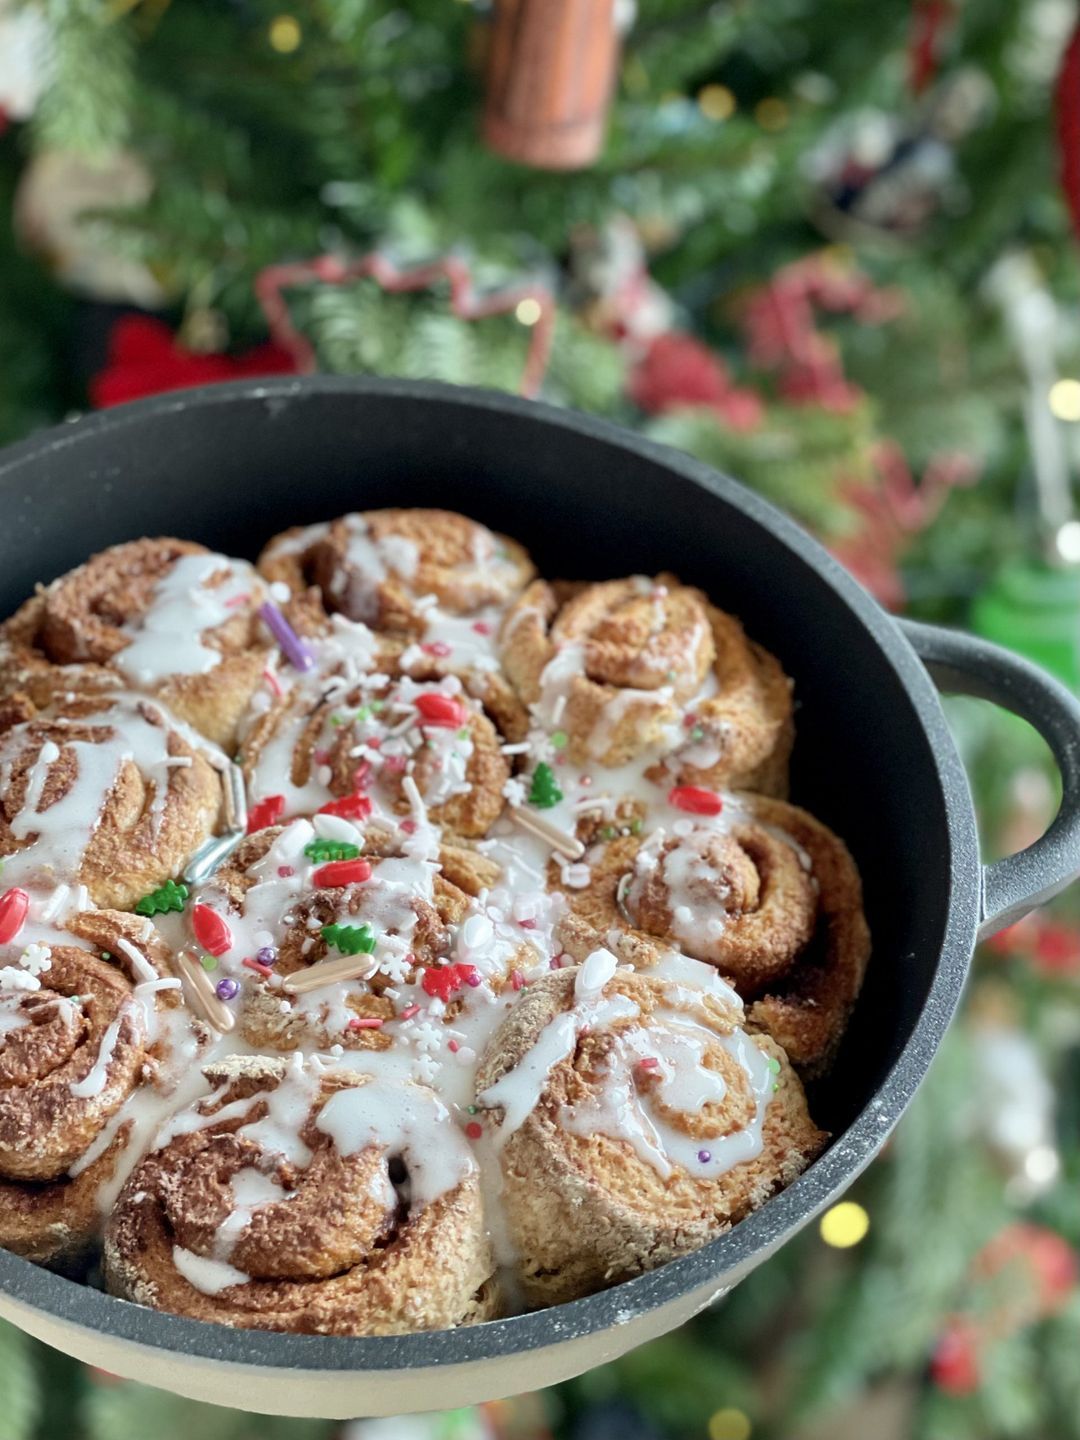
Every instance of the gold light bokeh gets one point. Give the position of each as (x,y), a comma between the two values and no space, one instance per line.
(844,1225)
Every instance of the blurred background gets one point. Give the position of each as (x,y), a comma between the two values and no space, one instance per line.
(830,247)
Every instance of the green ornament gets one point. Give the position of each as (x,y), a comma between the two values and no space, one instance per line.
(350,939)
(170,896)
(1034,609)
(544,793)
(320,850)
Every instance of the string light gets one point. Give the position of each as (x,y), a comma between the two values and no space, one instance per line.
(1065,399)
(285,34)
(729,1424)
(1067,541)
(716,102)
(844,1225)
(527,311)
(771,114)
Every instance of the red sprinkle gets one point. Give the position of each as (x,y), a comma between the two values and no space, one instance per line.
(351,807)
(436,647)
(365,1022)
(695,799)
(452,1046)
(342,872)
(210,930)
(362,774)
(237,600)
(556,962)
(409,826)
(394,764)
(527,924)
(285,871)
(517,980)
(649,1063)
(441,710)
(689,720)
(321,757)
(266,812)
(374,743)
(445,980)
(481,627)
(474,1130)
(272,680)
(409,1012)
(250,964)
(13,907)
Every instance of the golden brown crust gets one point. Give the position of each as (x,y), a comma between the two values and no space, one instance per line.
(603,1212)
(342,1252)
(71,635)
(375,565)
(139,833)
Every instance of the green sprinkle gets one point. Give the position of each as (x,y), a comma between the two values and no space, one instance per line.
(472,1109)
(170,896)
(208,962)
(544,793)
(349,939)
(375,707)
(671,677)
(776,1086)
(774,1065)
(559,739)
(320,850)
(337,719)
(635,825)
(105,955)
(608,832)
(697,733)
(464,733)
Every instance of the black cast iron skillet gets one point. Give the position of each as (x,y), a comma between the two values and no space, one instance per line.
(233,464)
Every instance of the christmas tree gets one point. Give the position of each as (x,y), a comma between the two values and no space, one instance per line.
(825,247)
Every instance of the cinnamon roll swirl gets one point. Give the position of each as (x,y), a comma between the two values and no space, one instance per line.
(301,1199)
(80,1032)
(379,565)
(634,1119)
(335,742)
(112,796)
(167,618)
(625,667)
(762,891)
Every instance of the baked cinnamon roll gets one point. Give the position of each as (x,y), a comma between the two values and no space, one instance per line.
(303,1199)
(112,796)
(356,744)
(761,890)
(166,618)
(625,667)
(81,1031)
(634,1119)
(283,910)
(379,566)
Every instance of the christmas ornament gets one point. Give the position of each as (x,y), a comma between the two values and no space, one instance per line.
(1034,608)
(1068,126)
(678,371)
(57,191)
(610,287)
(551,67)
(882,177)
(145,358)
(531,302)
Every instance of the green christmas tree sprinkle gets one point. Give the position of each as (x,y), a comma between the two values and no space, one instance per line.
(544,793)
(350,939)
(170,896)
(320,850)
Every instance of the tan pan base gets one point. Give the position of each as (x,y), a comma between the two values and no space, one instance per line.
(336,1395)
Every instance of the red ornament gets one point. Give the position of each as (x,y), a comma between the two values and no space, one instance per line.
(1068,126)
(145,358)
(695,799)
(13,907)
(441,710)
(678,372)
(350,807)
(266,812)
(954,1365)
(210,930)
(474,1130)
(342,872)
(442,981)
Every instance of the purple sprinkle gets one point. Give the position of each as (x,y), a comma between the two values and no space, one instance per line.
(474,978)
(704,1156)
(293,648)
(267,955)
(227,989)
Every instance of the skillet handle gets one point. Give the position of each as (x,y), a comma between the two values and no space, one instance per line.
(963,664)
